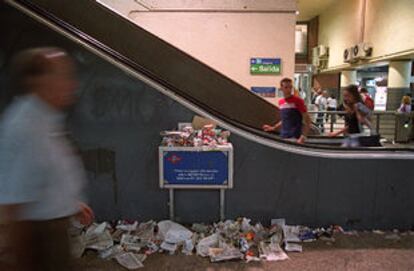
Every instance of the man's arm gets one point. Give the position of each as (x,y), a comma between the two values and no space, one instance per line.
(269,128)
(305,128)
(85,215)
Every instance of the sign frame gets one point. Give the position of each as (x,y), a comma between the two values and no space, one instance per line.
(226,148)
(265,62)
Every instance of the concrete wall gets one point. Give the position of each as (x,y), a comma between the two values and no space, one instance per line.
(275,5)
(339,28)
(197,5)
(225,40)
(387,26)
(326,81)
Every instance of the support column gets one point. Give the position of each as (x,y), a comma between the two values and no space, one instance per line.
(399,75)
(348,77)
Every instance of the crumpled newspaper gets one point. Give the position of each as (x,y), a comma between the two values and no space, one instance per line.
(217,249)
(111,252)
(127,227)
(224,253)
(98,237)
(200,228)
(292,247)
(129,260)
(272,252)
(130,242)
(145,231)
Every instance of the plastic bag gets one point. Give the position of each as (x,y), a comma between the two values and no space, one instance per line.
(206,243)
(172,232)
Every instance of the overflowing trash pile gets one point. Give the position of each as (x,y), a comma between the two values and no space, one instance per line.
(187,136)
(130,243)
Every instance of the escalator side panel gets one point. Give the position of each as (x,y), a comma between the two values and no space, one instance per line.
(119,114)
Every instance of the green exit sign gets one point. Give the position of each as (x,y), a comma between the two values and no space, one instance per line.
(265,66)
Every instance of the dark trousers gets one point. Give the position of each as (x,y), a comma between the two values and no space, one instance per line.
(333,116)
(40,245)
(319,121)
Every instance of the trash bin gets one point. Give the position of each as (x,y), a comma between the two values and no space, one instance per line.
(403,127)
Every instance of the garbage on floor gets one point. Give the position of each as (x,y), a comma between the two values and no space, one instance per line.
(130,243)
(187,136)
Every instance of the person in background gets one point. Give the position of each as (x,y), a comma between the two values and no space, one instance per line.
(293,114)
(405,106)
(315,92)
(366,99)
(332,104)
(321,102)
(41,179)
(302,94)
(296,92)
(357,114)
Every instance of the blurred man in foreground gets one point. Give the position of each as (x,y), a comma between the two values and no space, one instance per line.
(40,177)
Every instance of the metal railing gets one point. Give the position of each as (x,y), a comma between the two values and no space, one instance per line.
(321,117)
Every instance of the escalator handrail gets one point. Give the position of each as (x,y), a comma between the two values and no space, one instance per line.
(270,138)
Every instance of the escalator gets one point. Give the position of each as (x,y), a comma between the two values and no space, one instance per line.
(133,85)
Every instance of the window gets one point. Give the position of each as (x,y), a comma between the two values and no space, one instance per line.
(301,40)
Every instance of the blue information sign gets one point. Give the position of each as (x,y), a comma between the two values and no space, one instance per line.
(195,168)
(265,61)
(268,92)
